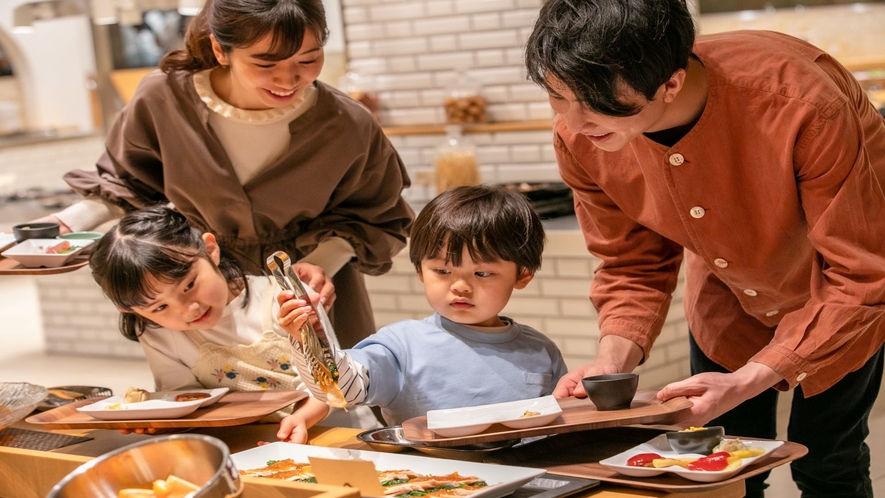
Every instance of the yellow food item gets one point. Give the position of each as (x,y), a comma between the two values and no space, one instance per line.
(692,429)
(114,406)
(171,487)
(136,395)
(530,414)
(669,462)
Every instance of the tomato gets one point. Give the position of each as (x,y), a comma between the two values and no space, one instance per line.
(712,463)
(642,460)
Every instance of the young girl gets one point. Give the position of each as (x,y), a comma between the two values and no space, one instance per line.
(200,321)
(472,247)
(236,131)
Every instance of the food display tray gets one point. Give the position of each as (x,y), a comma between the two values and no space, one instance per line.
(578,414)
(579,454)
(235,408)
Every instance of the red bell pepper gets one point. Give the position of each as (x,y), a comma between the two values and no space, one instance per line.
(715,462)
(642,460)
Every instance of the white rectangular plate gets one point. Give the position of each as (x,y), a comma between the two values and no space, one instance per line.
(501,479)
(618,462)
(161,405)
(32,252)
(458,422)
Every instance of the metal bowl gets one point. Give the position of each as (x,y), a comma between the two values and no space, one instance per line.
(393,440)
(18,399)
(202,460)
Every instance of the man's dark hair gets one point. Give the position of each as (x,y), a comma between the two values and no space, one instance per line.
(493,223)
(598,48)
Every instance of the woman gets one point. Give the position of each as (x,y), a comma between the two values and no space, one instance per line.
(238,135)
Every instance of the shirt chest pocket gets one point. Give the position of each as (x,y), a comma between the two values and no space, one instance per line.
(537,384)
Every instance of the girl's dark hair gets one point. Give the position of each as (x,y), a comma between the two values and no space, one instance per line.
(599,48)
(241,23)
(156,242)
(493,223)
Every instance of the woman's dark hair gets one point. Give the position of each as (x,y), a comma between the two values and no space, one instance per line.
(156,242)
(493,223)
(241,23)
(599,48)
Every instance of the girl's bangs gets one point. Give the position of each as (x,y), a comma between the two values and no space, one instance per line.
(130,283)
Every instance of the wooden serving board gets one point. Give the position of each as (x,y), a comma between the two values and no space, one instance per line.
(9,266)
(234,408)
(579,454)
(578,414)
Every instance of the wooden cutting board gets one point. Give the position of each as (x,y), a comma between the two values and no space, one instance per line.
(579,454)
(234,408)
(578,414)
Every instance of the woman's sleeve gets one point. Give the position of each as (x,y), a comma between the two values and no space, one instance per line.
(367,208)
(129,173)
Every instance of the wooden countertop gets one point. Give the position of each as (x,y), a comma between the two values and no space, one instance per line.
(31,474)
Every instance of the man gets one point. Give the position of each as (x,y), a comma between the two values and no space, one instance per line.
(759,158)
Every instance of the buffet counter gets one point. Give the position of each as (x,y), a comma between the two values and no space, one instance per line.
(31,474)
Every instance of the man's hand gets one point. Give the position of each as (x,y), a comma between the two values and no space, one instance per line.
(570,383)
(316,279)
(614,355)
(62,228)
(716,393)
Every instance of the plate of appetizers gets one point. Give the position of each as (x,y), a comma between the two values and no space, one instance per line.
(398,474)
(522,414)
(653,458)
(138,404)
(48,253)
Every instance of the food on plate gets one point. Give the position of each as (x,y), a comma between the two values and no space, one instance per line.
(529,413)
(191,396)
(136,395)
(62,247)
(171,487)
(730,445)
(643,460)
(719,460)
(115,406)
(693,429)
(397,483)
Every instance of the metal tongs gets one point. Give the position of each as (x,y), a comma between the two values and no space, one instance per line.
(317,349)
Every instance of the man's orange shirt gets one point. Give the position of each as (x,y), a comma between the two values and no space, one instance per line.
(775,193)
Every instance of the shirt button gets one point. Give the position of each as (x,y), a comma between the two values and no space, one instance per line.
(721,263)
(676,159)
(800,377)
(772,313)
(750,292)
(697,212)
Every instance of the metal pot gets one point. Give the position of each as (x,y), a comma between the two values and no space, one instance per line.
(202,460)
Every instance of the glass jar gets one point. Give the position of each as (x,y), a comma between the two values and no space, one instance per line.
(360,88)
(455,163)
(464,102)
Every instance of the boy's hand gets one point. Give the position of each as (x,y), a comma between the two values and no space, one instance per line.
(293,429)
(295,312)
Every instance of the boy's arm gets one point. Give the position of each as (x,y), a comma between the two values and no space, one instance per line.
(293,429)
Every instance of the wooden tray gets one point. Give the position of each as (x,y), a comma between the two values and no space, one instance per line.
(578,414)
(234,408)
(579,454)
(9,266)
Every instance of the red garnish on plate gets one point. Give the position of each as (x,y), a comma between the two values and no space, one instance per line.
(712,463)
(643,460)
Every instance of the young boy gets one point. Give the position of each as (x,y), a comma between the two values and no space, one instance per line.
(472,246)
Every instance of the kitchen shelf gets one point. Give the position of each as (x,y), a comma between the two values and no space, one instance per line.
(543,124)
